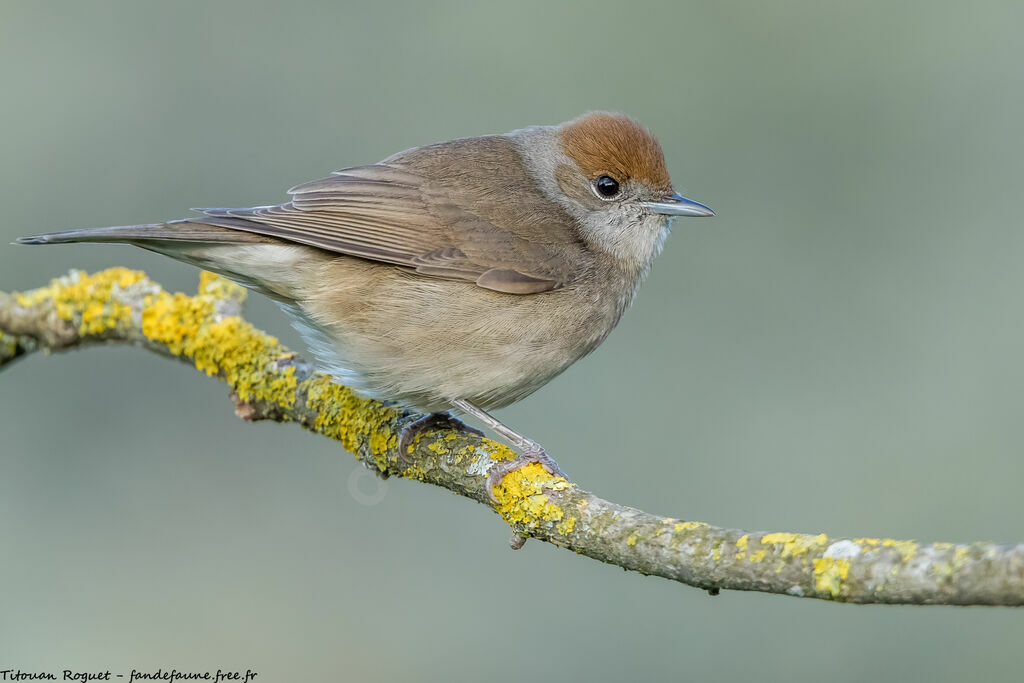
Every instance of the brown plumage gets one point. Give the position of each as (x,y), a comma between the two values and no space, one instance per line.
(462,274)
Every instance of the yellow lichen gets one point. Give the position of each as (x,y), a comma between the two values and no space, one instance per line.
(230,347)
(946,569)
(688,526)
(219,287)
(184,325)
(794,545)
(906,549)
(521,498)
(437,447)
(758,555)
(741,545)
(829,574)
(414,471)
(867,543)
(94,299)
(566,526)
(497,451)
(175,320)
(631,541)
(520,493)
(343,416)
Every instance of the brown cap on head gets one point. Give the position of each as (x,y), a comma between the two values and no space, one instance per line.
(613,144)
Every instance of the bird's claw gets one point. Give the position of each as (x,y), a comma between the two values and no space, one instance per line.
(408,434)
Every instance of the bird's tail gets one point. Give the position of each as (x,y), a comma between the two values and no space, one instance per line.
(262,263)
(173,231)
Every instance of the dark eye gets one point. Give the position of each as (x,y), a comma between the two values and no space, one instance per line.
(606,186)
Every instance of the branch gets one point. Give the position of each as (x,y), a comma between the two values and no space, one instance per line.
(269,382)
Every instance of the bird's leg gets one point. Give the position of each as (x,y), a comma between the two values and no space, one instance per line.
(409,432)
(529,451)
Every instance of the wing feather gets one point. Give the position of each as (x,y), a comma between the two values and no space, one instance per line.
(395,216)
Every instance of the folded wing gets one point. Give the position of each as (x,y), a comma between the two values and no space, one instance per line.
(388,214)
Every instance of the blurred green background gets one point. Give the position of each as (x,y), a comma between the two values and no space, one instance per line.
(839,350)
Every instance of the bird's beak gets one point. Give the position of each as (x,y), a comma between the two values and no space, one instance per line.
(678,205)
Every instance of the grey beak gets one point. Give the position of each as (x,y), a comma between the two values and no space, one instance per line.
(678,205)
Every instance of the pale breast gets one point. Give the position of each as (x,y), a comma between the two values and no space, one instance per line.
(425,341)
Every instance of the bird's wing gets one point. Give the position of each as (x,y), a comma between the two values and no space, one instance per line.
(389,214)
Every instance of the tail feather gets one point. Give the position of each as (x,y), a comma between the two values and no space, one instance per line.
(266,264)
(173,231)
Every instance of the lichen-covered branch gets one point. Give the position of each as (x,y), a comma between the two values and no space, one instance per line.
(268,381)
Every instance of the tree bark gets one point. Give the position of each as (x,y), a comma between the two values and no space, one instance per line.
(269,382)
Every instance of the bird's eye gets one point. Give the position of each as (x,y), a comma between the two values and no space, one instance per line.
(606,186)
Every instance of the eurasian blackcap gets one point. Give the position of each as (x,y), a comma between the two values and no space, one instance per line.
(460,276)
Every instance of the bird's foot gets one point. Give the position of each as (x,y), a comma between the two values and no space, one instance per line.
(409,433)
(531,453)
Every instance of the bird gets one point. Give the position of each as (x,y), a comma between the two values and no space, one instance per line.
(454,278)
